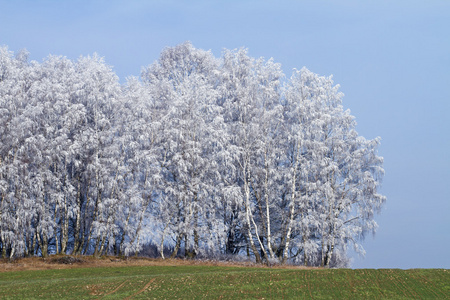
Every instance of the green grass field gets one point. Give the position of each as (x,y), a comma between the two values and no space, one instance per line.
(212,282)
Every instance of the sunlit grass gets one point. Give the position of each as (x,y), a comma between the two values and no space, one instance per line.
(197,282)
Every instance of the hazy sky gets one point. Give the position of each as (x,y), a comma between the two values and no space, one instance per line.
(391,58)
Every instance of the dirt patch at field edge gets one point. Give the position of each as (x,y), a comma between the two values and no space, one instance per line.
(70,262)
(66,260)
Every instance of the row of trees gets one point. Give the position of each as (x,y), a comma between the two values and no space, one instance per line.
(204,156)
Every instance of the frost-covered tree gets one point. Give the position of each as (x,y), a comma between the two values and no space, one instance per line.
(138,138)
(251,111)
(182,82)
(204,156)
(334,175)
(18,124)
(96,160)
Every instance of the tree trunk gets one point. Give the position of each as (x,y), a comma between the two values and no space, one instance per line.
(136,251)
(247,217)
(289,230)
(65,228)
(44,247)
(122,238)
(97,243)
(305,255)
(295,165)
(261,244)
(11,254)
(266,196)
(186,246)
(43,244)
(161,248)
(328,256)
(76,232)
(102,245)
(177,246)
(56,229)
(32,244)
(94,218)
(2,238)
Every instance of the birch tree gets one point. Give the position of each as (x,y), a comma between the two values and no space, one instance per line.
(252,111)
(181,79)
(330,175)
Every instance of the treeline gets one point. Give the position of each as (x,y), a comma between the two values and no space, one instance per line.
(205,156)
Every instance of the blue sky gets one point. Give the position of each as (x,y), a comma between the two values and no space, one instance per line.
(391,58)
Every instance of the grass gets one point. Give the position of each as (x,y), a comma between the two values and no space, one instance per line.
(197,281)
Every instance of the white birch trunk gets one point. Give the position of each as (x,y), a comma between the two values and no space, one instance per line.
(266,196)
(247,217)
